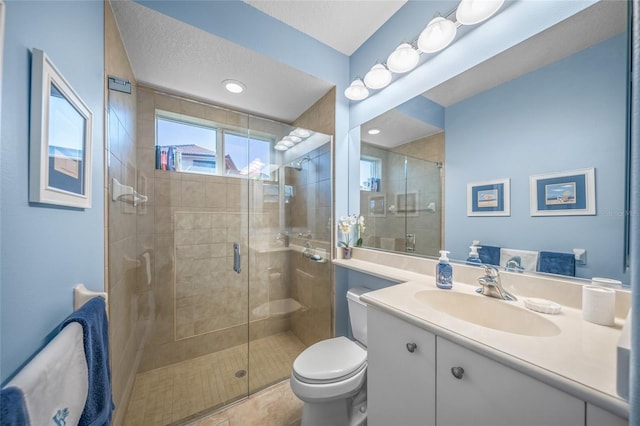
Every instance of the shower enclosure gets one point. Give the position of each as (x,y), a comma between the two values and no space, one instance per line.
(223,292)
(401,198)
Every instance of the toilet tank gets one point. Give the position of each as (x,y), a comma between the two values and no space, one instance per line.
(358,313)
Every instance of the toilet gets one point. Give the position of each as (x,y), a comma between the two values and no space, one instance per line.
(330,376)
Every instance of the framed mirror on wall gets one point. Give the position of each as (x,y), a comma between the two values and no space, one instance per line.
(60,139)
(548,106)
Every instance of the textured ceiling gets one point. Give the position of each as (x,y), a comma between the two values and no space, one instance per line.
(341,24)
(168,53)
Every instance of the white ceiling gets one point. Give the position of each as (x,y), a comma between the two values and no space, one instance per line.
(167,53)
(341,24)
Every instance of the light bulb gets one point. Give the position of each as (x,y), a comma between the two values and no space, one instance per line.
(377,77)
(300,132)
(438,34)
(294,139)
(403,59)
(280,147)
(471,12)
(357,91)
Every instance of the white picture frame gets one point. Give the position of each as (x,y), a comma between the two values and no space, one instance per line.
(60,142)
(489,198)
(568,193)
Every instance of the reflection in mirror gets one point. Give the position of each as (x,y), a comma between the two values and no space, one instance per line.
(555,103)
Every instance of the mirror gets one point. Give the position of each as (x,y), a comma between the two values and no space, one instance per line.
(554,104)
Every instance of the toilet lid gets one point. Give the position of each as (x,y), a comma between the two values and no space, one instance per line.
(330,359)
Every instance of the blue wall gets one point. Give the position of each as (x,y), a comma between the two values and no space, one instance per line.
(46,251)
(567,115)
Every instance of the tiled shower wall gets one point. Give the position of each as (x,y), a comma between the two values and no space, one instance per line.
(424,179)
(190,225)
(128,303)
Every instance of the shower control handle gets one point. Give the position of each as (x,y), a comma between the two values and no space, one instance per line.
(236,257)
(411,347)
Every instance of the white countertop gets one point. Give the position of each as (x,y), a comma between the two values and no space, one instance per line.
(580,360)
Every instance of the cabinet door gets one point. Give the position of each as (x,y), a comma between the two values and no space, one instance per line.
(596,416)
(400,383)
(491,394)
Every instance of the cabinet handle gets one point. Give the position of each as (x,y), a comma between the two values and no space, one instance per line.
(457,372)
(411,347)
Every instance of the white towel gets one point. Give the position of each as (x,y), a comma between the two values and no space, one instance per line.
(55,382)
(528,259)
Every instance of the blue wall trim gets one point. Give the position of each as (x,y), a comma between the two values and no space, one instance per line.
(46,250)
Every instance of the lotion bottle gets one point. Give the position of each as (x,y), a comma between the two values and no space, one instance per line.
(444,272)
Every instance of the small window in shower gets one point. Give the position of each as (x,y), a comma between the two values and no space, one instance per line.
(185,144)
(247,156)
(370,173)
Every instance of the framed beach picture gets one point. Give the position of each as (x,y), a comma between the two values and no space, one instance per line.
(569,193)
(489,198)
(60,139)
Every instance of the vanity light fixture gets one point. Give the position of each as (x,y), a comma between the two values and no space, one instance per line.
(300,132)
(234,86)
(280,147)
(374,131)
(403,59)
(378,77)
(286,143)
(470,12)
(356,91)
(292,138)
(438,34)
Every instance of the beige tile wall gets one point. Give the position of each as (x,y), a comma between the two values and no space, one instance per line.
(128,302)
(191,222)
(424,179)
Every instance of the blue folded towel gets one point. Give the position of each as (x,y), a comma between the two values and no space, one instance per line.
(557,263)
(13,411)
(489,255)
(92,317)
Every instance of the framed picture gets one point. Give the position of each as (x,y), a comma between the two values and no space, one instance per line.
(567,193)
(407,203)
(378,205)
(489,198)
(60,139)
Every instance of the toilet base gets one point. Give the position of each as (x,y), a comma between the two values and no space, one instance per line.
(350,411)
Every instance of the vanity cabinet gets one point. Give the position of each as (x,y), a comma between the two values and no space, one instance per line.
(596,416)
(401,383)
(474,390)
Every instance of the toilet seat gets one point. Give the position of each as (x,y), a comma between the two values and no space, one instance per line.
(330,361)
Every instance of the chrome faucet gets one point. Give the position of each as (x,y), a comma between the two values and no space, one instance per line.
(491,286)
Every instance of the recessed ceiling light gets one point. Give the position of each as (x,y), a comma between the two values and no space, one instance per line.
(234,86)
(374,132)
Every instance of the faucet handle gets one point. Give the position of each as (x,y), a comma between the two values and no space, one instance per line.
(490,271)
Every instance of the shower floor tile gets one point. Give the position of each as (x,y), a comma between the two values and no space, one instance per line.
(173,393)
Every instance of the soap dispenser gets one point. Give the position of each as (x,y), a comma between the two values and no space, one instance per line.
(444,271)
(474,257)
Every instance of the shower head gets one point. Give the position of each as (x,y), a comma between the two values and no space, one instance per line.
(297,164)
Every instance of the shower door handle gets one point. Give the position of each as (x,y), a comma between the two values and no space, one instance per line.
(236,257)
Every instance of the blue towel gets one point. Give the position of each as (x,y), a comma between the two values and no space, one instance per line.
(13,410)
(557,263)
(490,255)
(92,317)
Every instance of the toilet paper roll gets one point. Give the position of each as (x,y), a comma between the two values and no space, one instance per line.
(598,304)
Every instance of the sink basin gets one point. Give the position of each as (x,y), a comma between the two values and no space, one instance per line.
(488,312)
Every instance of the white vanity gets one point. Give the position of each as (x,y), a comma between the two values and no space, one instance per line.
(454,357)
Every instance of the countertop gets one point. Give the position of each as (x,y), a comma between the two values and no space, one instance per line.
(580,360)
